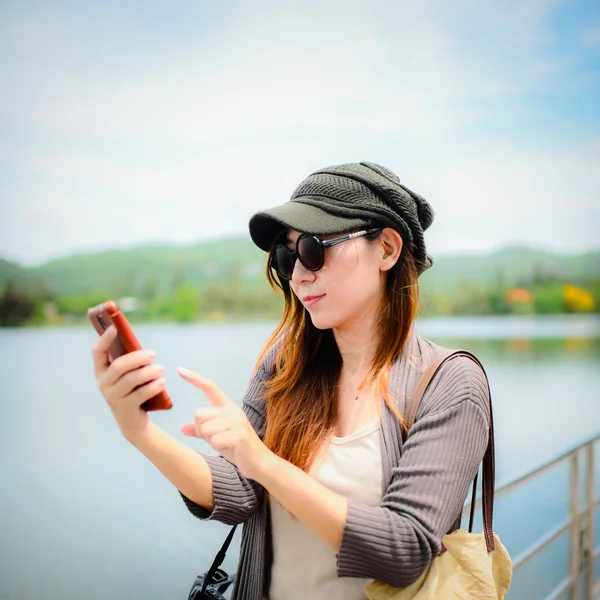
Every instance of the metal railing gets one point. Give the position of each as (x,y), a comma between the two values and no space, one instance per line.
(580,522)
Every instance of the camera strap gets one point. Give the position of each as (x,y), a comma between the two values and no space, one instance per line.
(222,552)
(218,559)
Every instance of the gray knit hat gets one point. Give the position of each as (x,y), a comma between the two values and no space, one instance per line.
(346,198)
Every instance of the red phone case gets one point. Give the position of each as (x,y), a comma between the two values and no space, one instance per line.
(108,313)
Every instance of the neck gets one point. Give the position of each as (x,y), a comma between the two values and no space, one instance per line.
(357,343)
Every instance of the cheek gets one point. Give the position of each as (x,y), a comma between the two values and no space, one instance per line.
(361,288)
(353,282)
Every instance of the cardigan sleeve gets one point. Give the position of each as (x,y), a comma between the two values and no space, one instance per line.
(396,541)
(235,496)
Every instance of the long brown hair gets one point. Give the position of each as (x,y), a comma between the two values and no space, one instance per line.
(302,395)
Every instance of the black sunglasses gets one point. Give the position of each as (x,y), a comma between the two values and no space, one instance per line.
(310,250)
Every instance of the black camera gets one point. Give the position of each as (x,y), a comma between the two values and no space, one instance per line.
(218,588)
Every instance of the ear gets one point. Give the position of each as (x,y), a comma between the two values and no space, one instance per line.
(391,246)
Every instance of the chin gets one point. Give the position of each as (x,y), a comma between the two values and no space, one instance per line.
(324,321)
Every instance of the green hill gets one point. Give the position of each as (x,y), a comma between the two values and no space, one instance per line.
(510,266)
(9,271)
(159,268)
(156,270)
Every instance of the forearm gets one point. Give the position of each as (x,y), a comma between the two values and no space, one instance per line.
(185,468)
(320,509)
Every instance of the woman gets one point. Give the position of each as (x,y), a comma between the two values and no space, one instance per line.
(313,464)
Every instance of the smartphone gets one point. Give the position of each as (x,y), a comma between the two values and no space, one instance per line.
(102,317)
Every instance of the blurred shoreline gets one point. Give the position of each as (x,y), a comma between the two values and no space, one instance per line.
(224,281)
(478,328)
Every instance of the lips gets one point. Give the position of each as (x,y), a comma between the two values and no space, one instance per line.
(310,300)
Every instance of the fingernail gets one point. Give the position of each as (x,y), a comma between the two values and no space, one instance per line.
(151,353)
(183,371)
(160,368)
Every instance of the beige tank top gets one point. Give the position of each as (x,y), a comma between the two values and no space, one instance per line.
(304,566)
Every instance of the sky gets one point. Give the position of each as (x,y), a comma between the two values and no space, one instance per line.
(131,123)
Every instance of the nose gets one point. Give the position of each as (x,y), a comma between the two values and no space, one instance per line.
(301,274)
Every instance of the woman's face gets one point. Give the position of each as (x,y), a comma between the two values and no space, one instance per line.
(348,286)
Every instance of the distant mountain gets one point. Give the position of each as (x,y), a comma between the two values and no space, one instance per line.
(132,271)
(512,266)
(9,270)
(156,270)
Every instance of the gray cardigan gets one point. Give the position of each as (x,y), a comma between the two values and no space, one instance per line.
(425,483)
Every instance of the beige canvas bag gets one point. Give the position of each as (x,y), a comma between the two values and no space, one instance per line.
(471,566)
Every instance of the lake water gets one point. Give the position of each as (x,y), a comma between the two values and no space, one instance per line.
(83,514)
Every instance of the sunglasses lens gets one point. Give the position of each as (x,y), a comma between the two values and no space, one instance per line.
(311,252)
(284,262)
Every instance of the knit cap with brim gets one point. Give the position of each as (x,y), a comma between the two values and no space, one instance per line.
(347,198)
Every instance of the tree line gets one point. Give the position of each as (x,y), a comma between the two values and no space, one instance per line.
(231,300)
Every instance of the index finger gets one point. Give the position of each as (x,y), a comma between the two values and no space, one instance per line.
(100,348)
(215,396)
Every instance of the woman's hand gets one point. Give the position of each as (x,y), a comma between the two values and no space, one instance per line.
(127,383)
(226,428)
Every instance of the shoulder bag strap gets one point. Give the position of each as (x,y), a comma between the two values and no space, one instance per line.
(412,407)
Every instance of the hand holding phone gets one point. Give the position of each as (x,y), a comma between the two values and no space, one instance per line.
(102,317)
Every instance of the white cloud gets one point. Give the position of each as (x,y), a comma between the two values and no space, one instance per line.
(275,69)
(484,197)
(191,142)
(494,196)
